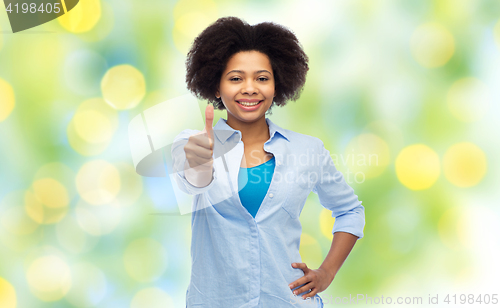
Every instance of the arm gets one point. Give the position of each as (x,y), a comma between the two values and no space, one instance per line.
(342,245)
(336,195)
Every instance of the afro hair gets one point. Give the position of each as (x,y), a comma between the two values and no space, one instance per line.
(213,48)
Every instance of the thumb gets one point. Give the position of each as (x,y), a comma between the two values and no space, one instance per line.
(209,120)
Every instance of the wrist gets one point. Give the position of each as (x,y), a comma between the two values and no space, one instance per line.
(329,273)
(199,176)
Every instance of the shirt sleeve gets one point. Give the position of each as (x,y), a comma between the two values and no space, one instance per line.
(336,195)
(178,160)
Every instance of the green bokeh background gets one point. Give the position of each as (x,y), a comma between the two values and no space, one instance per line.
(365,77)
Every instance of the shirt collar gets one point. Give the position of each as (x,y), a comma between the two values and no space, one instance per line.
(224,131)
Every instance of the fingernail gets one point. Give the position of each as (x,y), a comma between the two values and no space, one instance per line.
(295,292)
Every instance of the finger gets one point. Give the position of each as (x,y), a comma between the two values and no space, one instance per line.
(203,154)
(310,294)
(302,266)
(200,145)
(302,280)
(202,139)
(199,160)
(304,288)
(196,161)
(209,120)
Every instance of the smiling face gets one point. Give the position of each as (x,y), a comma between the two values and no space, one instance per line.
(247,86)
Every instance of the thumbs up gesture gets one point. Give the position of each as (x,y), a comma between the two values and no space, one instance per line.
(199,153)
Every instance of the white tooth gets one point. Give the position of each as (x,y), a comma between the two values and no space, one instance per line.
(249,104)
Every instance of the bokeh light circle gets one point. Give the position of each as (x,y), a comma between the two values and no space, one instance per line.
(47,201)
(367,154)
(98,182)
(45,213)
(417,167)
(98,220)
(81,146)
(51,193)
(310,251)
(102,28)
(151,298)
(326,221)
(72,237)
(468,99)
(432,45)
(191,17)
(187,27)
(7,99)
(92,127)
(145,260)
(464,164)
(88,286)
(49,278)
(123,87)
(8,298)
(83,17)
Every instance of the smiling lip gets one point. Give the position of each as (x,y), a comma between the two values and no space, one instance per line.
(249,100)
(249,108)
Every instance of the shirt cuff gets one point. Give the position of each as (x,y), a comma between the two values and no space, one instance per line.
(351,222)
(190,188)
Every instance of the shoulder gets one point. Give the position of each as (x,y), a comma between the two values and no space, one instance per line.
(303,140)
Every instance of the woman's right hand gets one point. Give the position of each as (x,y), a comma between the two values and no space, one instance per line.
(199,153)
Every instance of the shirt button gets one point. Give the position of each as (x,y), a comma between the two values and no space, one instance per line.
(271,195)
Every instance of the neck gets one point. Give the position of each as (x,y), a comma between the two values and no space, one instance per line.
(250,131)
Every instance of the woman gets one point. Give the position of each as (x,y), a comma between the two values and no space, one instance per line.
(247,181)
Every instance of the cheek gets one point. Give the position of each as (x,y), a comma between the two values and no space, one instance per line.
(270,93)
(228,91)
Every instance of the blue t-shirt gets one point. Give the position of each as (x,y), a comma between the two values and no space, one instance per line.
(258,180)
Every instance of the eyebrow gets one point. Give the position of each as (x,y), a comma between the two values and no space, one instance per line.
(242,72)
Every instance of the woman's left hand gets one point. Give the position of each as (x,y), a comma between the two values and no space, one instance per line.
(315,280)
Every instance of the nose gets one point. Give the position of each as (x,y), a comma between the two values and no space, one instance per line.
(249,87)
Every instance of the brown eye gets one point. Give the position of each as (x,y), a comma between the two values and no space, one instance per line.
(235,79)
